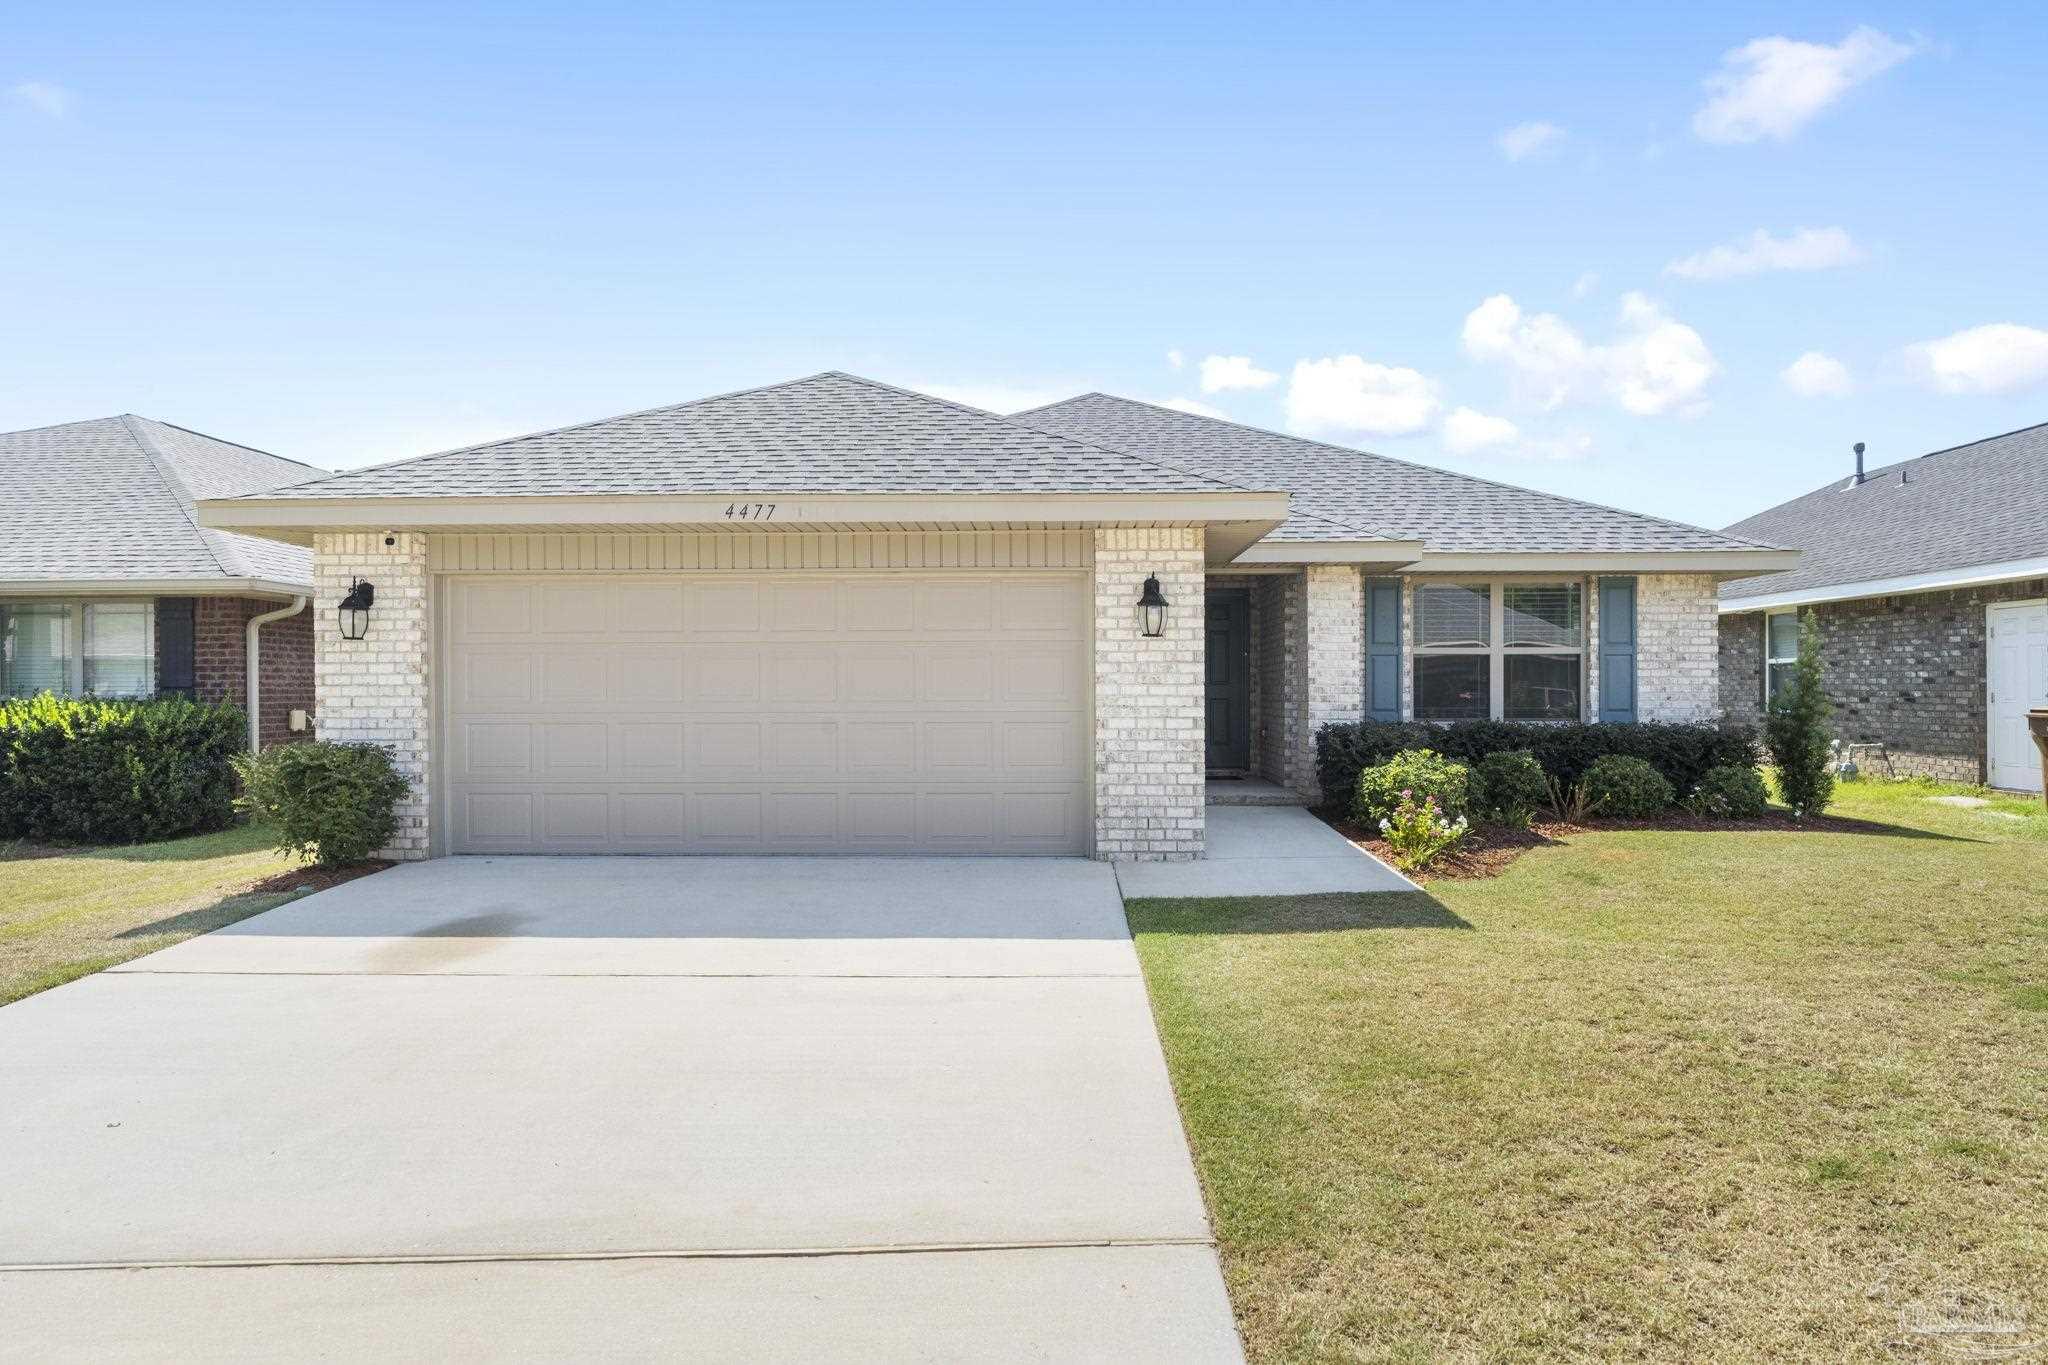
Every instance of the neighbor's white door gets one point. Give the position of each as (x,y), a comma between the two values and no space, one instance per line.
(2018,683)
(779,713)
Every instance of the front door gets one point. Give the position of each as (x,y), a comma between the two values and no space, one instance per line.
(1229,654)
(2018,665)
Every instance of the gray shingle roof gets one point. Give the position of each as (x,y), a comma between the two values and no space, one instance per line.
(1335,487)
(111,499)
(829,433)
(1982,503)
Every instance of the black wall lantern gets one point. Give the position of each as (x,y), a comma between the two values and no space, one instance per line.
(354,611)
(1152,610)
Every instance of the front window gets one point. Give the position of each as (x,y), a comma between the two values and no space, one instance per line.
(104,649)
(1504,650)
(1781,650)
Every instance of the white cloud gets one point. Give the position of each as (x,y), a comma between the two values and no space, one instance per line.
(1221,373)
(1585,284)
(1773,87)
(1999,357)
(1818,375)
(46,98)
(1198,408)
(1529,139)
(1347,393)
(1803,249)
(1466,431)
(1004,398)
(1175,358)
(1655,365)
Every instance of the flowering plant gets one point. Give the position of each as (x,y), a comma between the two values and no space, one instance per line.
(1419,832)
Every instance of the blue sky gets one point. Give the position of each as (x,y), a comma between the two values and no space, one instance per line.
(1476,236)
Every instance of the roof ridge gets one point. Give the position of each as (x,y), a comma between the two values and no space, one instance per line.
(224,441)
(160,463)
(1411,464)
(557,431)
(1842,483)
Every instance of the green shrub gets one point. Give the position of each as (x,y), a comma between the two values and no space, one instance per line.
(1796,730)
(1420,772)
(1511,787)
(1419,833)
(332,803)
(1683,753)
(1731,794)
(86,771)
(1627,787)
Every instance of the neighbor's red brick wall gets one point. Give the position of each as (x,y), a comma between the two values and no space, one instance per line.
(220,665)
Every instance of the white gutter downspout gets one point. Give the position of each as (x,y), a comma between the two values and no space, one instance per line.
(251,653)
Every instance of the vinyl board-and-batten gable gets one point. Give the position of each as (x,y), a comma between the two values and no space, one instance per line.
(752,552)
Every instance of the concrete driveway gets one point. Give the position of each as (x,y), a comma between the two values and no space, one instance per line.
(711,1108)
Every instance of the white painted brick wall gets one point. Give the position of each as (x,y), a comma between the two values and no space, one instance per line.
(1678,648)
(1149,792)
(1330,617)
(378,690)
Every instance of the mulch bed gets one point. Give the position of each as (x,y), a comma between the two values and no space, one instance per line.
(1488,849)
(316,878)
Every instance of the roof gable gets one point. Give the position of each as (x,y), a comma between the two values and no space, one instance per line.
(829,433)
(110,500)
(1981,503)
(1336,488)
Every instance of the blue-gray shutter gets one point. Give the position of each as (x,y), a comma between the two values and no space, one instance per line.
(174,646)
(1617,650)
(1383,648)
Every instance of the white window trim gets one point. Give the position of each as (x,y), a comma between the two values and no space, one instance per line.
(74,666)
(1497,650)
(1771,661)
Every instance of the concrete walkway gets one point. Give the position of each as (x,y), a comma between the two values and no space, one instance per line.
(541,1108)
(1264,851)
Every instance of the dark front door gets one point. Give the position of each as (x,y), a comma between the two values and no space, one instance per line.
(1229,680)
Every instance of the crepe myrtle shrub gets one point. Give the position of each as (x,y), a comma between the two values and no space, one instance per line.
(84,770)
(1730,794)
(329,803)
(1412,775)
(1682,753)
(1511,787)
(1627,788)
(1796,730)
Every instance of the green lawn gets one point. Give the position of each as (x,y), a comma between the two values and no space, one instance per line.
(1663,1095)
(67,913)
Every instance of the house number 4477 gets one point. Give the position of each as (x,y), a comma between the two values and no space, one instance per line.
(750,511)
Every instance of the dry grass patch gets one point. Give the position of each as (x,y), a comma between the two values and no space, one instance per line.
(1647,1094)
(66,913)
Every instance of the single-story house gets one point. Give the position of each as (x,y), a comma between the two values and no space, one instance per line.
(110,587)
(832,615)
(1928,581)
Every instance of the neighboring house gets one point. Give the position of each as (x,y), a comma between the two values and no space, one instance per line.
(1928,581)
(110,587)
(835,616)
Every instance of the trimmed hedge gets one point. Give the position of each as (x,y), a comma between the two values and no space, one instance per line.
(1627,787)
(1512,787)
(1682,753)
(331,803)
(82,771)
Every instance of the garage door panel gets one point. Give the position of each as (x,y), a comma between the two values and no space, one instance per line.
(810,713)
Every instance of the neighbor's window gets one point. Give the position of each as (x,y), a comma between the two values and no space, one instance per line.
(106,649)
(1506,649)
(1781,650)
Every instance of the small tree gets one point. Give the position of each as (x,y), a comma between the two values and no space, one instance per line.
(1796,730)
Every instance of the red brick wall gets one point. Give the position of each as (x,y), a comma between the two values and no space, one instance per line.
(220,668)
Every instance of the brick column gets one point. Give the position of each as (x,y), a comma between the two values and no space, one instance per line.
(1678,648)
(378,690)
(1149,793)
(1326,663)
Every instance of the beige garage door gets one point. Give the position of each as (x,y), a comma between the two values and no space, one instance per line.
(785,713)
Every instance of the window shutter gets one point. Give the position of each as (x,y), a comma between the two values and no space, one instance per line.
(1617,650)
(1383,648)
(174,652)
